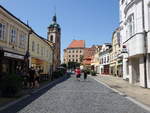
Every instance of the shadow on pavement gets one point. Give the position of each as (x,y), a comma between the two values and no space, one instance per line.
(34,95)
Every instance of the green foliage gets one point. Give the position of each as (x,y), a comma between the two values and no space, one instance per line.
(64,65)
(73,65)
(59,72)
(93,73)
(10,85)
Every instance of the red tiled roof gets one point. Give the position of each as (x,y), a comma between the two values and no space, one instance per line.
(77,44)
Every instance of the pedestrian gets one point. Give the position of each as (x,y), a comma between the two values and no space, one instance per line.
(32,77)
(37,79)
(78,73)
(85,74)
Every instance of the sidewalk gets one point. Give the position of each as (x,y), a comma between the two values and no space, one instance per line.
(136,92)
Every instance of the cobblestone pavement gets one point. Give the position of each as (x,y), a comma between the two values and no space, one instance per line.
(132,90)
(72,96)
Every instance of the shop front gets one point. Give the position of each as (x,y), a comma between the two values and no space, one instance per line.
(40,65)
(11,62)
(120,68)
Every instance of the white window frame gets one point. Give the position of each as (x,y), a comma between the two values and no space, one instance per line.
(22,40)
(13,35)
(130,25)
(2,31)
(33,46)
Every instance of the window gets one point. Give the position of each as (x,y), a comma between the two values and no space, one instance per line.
(38,47)
(51,38)
(13,35)
(33,46)
(76,51)
(72,55)
(69,55)
(76,60)
(42,51)
(80,51)
(107,59)
(2,31)
(122,2)
(130,25)
(149,15)
(73,51)
(22,41)
(76,55)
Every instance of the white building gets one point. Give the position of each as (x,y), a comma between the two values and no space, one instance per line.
(135,27)
(105,59)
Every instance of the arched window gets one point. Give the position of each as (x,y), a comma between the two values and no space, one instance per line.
(51,38)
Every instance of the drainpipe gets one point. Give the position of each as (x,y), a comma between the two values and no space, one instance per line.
(145,45)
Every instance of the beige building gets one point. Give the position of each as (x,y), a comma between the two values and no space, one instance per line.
(115,55)
(41,54)
(95,63)
(74,52)
(13,41)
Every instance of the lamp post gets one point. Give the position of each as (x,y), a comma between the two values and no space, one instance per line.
(27,55)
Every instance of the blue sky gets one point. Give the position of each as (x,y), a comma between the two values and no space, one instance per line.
(89,20)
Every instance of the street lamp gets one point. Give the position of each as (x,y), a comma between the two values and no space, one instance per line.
(27,55)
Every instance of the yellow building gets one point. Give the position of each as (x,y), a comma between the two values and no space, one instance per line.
(115,59)
(13,41)
(41,54)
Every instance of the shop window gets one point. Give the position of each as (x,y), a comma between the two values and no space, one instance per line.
(2,31)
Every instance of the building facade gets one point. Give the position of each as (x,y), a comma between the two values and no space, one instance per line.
(95,59)
(41,54)
(74,52)
(88,56)
(54,36)
(13,42)
(105,59)
(135,27)
(116,58)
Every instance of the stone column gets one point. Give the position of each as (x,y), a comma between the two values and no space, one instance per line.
(141,71)
(125,69)
(148,71)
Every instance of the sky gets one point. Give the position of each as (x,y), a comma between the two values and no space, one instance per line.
(91,20)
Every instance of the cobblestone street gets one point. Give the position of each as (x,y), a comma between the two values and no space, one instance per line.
(74,96)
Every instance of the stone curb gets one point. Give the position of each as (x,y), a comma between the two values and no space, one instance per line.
(28,95)
(124,95)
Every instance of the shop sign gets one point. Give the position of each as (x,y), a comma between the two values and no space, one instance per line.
(13,55)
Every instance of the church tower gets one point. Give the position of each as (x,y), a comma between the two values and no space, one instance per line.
(54,36)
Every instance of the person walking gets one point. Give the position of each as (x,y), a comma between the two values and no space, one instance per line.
(32,77)
(85,74)
(78,73)
(37,79)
